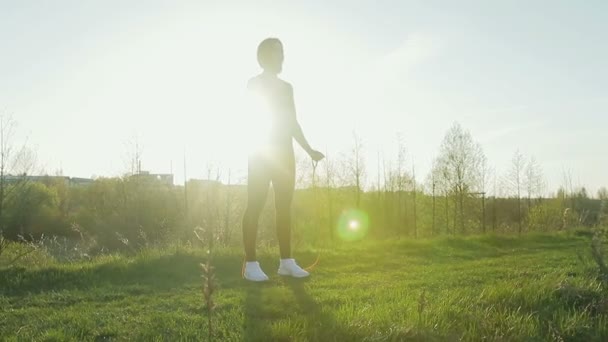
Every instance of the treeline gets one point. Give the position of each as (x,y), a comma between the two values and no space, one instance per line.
(145,210)
(461,195)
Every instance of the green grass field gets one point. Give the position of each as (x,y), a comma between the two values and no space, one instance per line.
(478,288)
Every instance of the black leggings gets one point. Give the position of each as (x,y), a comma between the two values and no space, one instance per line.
(277,167)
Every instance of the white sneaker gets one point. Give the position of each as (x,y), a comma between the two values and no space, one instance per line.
(254,272)
(288,267)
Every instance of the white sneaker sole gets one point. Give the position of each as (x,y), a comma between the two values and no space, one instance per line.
(288,274)
(256,280)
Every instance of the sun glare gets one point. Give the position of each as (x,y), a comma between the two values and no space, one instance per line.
(353,225)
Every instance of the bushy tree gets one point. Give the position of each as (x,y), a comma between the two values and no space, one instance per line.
(459,167)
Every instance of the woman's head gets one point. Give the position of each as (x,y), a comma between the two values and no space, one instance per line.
(270,55)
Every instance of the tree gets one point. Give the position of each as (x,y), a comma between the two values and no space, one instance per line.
(132,156)
(432,183)
(229,201)
(16,163)
(515,179)
(414,199)
(441,185)
(602,193)
(484,176)
(459,160)
(402,179)
(6,148)
(495,193)
(32,209)
(568,188)
(356,167)
(533,180)
(388,193)
(330,183)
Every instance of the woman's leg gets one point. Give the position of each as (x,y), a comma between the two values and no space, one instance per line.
(283,183)
(258,180)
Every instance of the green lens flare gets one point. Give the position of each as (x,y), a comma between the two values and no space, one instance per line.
(353,225)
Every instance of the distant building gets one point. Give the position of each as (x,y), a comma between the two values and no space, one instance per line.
(204,182)
(165,178)
(70,181)
(77,181)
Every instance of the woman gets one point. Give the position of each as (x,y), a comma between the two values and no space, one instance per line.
(272,159)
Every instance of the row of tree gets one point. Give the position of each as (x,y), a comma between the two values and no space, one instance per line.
(461,195)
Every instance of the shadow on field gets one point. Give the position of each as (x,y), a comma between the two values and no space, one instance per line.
(254,324)
(268,304)
(154,272)
(144,274)
(321,324)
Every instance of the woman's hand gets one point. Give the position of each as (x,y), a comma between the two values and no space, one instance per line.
(316,155)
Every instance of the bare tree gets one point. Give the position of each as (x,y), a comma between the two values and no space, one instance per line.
(414,199)
(441,184)
(132,199)
(132,157)
(17,161)
(379,186)
(432,183)
(211,208)
(7,126)
(602,193)
(533,180)
(356,167)
(401,181)
(445,184)
(495,195)
(229,196)
(484,176)
(330,183)
(568,187)
(459,161)
(514,180)
(434,186)
(388,193)
(304,171)
(186,214)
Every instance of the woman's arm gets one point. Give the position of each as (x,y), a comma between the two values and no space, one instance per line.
(297,132)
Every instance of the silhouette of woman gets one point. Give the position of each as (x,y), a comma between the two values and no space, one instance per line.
(272,159)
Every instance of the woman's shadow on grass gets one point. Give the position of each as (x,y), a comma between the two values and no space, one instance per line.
(321,325)
(255,326)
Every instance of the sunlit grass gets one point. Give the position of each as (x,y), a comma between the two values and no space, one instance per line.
(497,288)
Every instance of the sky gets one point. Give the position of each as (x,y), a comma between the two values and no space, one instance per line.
(85,79)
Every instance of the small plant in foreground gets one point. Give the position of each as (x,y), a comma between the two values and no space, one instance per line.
(597,252)
(209,284)
(208,289)
(421,305)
